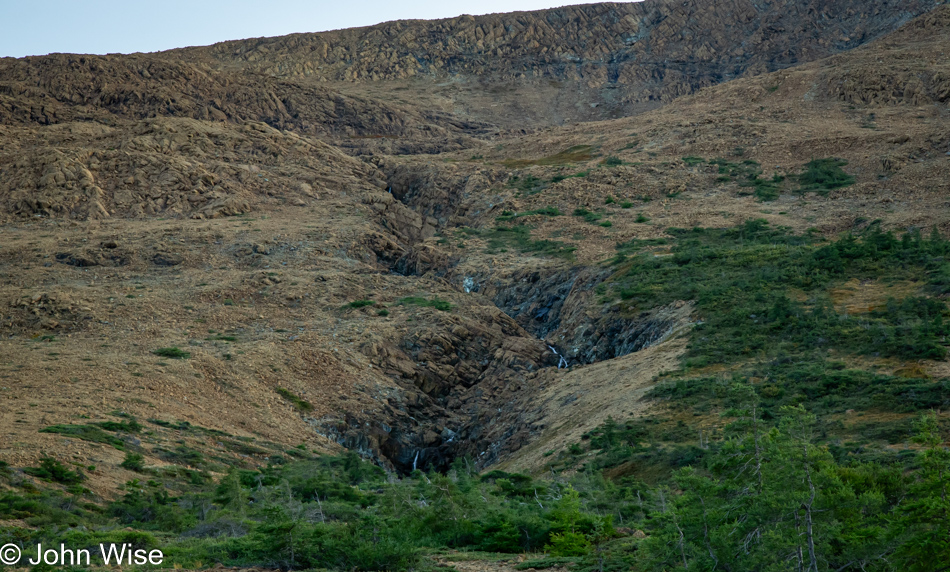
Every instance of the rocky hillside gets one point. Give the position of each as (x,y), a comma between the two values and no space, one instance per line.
(579,62)
(61,88)
(250,261)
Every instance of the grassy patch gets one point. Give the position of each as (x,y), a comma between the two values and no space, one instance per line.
(89,433)
(748,174)
(501,238)
(577,175)
(527,184)
(588,215)
(507,216)
(298,402)
(573,154)
(436,303)
(545,563)
(360,303)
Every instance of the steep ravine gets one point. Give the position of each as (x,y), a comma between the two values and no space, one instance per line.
(474,375)
(555,302)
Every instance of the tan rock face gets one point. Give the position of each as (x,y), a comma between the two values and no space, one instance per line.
(619,54)
(63,88)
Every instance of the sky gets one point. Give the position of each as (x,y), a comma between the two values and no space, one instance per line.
(38,27)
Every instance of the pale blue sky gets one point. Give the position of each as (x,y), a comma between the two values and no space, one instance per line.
(35,27)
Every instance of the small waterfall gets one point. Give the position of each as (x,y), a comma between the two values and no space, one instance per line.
(561,360)
(416,458)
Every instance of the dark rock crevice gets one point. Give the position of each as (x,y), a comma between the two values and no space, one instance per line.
(562,307)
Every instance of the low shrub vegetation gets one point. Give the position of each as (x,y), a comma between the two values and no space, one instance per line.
(290,396)
(172,353)
(436,303)
(823,175)
(508,216)
(91,433)
(518,237)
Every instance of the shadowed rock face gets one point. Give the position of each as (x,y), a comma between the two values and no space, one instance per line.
(454,370)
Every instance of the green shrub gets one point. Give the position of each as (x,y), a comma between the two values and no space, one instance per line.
(52,470)
(182,455)
(568,544)
(527,185)
(587,215)
(130,426)
(578,175)
(172,353)
(133,462)
(823,175)
(361,303)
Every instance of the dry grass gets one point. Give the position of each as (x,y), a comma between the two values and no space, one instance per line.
(575,154)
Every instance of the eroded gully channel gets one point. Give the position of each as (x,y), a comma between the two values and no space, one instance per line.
(472,387)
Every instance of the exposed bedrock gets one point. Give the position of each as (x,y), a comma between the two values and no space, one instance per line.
(457,370)
(562,307)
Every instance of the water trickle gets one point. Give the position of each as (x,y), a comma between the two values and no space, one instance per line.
(561,360)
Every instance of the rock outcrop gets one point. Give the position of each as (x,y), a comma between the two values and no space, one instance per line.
(617,57)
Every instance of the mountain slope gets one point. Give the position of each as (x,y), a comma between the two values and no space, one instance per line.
(415,307)
(576,62)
